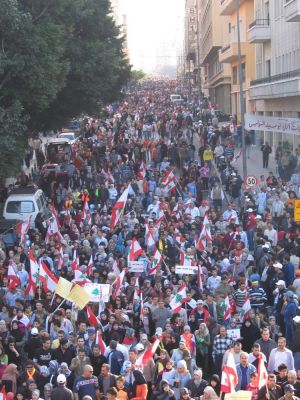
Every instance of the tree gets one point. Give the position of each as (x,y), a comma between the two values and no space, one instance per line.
(137,75)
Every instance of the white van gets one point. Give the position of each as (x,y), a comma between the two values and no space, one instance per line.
(176,98)
(23,202)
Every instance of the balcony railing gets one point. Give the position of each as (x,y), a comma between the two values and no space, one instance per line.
(275,78)
(260,22)
(223,49)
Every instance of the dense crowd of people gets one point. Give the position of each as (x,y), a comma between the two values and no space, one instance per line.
(162,335)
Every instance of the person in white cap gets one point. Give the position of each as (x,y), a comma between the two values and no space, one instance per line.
(61,392)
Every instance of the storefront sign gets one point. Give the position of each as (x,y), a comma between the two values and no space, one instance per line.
(272,124)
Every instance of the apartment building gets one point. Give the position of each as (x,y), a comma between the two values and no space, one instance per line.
(190,42)
(216,76)
(275,92)
(229,52)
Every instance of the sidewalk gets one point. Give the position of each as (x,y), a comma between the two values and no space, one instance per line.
(254,164)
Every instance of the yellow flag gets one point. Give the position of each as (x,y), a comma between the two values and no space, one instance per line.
(63,288)
(78,296)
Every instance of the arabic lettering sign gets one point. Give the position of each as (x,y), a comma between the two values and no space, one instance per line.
(97,290)
(136,266)
(186,269)
(272,124)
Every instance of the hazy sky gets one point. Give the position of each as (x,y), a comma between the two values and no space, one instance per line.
(155,31)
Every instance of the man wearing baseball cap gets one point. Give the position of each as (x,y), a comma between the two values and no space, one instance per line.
(289,391)
(61,392)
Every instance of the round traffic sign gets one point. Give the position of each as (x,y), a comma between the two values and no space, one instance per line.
(251,181)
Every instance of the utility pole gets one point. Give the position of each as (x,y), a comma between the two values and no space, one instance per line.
(241,89)
(198,48)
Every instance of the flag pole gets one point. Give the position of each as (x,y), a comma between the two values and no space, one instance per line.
(59,306)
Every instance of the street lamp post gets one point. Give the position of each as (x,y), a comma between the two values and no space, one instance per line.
(241,90)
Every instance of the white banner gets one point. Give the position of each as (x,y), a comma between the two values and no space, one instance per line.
(136,266)
(272,124)
(95,289)
(186,269)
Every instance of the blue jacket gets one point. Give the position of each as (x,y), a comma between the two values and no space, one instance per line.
(250,370)
(290,312)
(289,274)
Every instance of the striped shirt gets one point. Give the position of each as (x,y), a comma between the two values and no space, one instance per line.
(221,344)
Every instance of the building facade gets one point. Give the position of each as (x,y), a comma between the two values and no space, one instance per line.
(190,42)
(216,78)
(229,52)
(275,92)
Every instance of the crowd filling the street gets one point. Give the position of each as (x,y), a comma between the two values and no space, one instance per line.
(155,271)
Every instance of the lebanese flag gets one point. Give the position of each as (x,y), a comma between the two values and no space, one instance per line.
(149,353)
(80,278)
(116,267)
(22,229)
(118,209)
(245,309)
(229,378)
(86,214)
(161,217)
(141,306)
(149,238)
(75,262)
(119,282)
(184,260)
(142,171)
(90,266)
(157,259)
(178,300)
(262,372)
(135,250)
(168,179)
(60,262)
(178,237)
(33,276)
(227,313)
(47,278)
(93,320)
(53,227)
(205,235)
(100,342)
(12,275)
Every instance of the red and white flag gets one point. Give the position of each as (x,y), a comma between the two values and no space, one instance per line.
(90,266)
(157,259)
(149,238)
(205,235)
(47,278)
(118,209)
(22,229)
(149,353)
(178,300)
(100,342)
(93,320)
(60,262)
(75,262)
(142,171)
(184,260)
(229,379)
(244,314)
(33,276)
(12,275)
(119,282)
(116,267)
(167,179)
(53,227)
(262,372)
(86,213)
(227,306)
(135,250)
(199,278)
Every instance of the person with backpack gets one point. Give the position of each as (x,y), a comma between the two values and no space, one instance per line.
(115,358)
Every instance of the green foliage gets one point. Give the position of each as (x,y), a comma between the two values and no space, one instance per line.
(58,59)
(137,75)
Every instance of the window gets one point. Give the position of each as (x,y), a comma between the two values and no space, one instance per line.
(17,207)
(244,72)
(234,76)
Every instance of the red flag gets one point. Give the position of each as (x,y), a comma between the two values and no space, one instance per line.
(22,229)
(47,278)
(142,171)
(135,250)
(262,372)
(149,353)
(93,320)
(227,313)
(118,284)
(100,342)
(118,208)
(229,378)
(12,275)
(90,266)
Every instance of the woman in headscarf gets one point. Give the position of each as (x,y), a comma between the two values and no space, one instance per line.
(249,334)
(209,394)
(182,376)
(44,376)
(160,365)
(163,392)
(140,389)
(3,331)
(36,395)
(185,394)
(202,338)
(53,371)
(64,369)
(215,383)
(9,378)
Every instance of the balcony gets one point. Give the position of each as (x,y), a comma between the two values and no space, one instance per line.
(228,6)
(292,10)
(276,86)
(229,53)
(259,31)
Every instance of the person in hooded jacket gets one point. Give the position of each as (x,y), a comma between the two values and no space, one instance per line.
(164,392)
(140,388)
(249,333)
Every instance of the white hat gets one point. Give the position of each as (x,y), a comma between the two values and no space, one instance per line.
(34,331)
(139,347)
(280,283)
(266,246)
(278,265)
(258,216)
(297,319)
(250,210)
(61,379)
(158,331)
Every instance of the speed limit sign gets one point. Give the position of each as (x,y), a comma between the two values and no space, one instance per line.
(251,181)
